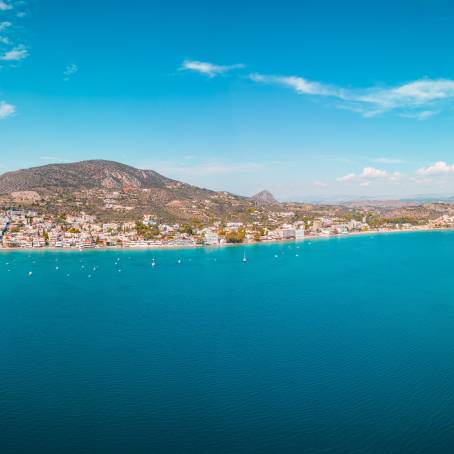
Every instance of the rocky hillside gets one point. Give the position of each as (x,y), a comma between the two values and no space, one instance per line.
(265,198)
(112,190)
(83,175)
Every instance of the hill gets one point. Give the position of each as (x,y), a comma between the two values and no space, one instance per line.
(82,175)
(112,190)
(265,197)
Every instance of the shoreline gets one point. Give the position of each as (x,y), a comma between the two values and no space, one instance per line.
(220,246)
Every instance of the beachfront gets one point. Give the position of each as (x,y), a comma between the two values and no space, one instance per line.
(26,229)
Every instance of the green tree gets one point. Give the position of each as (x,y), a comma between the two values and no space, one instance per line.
(235,237)
(186,228)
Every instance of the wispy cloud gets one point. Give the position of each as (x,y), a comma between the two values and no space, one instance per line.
(16,54)
(436,169)
(370,174)
(209,69)
(424,115)
(419,99)
(9,52)
(10,30)
(388,161)
(210,168)
(6,110)
(300,85)
(69,71)
(4,25)
(347,178)
(5,6)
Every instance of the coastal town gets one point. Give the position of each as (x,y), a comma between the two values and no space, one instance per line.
(25,228)
(105,204)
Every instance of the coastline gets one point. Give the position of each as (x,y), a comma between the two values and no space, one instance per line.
(164,247)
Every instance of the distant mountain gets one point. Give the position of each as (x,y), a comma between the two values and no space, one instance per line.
(114,190)
(265,198)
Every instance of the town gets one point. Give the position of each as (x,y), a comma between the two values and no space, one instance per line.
(24,228)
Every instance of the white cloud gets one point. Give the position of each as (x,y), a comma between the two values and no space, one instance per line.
(439,168)
(299,84)
(420,115)
(16,54)
(209,69)
(415,99)
(422,91)
(69,71)
(4,25)
(6,110)
(370,174)
(347,178)
(320,184)
(5,6)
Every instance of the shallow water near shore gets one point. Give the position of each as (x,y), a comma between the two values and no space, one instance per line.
(330,346)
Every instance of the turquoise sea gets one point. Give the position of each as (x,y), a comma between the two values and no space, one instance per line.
(343,345)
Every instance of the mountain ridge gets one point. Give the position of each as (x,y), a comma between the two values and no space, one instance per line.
(90,174)
(112,190)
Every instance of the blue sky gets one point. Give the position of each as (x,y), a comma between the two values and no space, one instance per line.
(309,99)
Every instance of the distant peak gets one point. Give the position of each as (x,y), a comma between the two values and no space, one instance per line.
(265,197)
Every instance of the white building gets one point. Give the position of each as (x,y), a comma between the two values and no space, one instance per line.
(288,234)
(299,233)
(211,239)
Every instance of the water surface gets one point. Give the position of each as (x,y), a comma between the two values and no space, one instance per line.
(327,346)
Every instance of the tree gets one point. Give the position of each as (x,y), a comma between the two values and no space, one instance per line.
(145,231)
(186,228)
(235,237)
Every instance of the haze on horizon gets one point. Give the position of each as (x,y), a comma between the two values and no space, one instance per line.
(309,100)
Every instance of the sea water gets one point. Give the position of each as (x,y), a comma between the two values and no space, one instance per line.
(325,346)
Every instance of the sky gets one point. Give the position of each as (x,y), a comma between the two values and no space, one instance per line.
(312,100)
